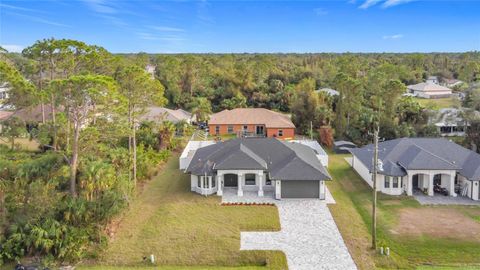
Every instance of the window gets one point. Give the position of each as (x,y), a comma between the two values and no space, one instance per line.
(213,182)
(395,182)
(280,133)
(205,182)
(250,179)
(245,128)
(387,181)
(217,130)
(230,129)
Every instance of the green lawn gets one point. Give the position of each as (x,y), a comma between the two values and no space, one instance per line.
(184,229)
(22,143)
(168,268)
(439,103)
(351,192)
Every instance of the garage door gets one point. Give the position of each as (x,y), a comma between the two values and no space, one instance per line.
(300,189)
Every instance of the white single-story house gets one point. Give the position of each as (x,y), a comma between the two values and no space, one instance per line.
(328,91)
(429,90)
(189,152)
(451,82)
(160,114)
(432,79)
(4,92)
(419,164)
(317,148)
(451,121)
(285,169)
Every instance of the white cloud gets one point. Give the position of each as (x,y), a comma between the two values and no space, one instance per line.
(100,6)
(386,3)
(391,3)
(320,11)
(396,36)
(18,8)
(38,19)
(12,47)
(369,3)
(167,29)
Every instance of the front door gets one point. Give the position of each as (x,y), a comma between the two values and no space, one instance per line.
(260,130)
(230,180)
(415,181)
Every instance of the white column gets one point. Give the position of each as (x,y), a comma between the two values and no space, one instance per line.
(240,185)
(220,184)
(210,183)
(409,184)
(430,184)
(278,191)
(452,185)
(260,184)
(201,184)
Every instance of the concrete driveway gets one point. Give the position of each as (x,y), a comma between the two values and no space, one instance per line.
(309,236)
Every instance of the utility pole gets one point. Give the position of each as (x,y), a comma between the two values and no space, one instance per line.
(374,180)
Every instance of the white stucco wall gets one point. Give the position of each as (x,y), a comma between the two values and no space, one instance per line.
(475,190)
(204,191)
(363,171)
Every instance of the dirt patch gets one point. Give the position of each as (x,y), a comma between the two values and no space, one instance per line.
(437,222)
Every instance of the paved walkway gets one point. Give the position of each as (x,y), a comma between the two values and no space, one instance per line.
(309,236)
(440,199)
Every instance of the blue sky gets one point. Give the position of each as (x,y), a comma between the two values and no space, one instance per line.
(246,26)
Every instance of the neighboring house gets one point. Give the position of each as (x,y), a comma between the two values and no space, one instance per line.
(288,170)
(343,147)
(252,122)
(4,89)
(429,90)
(432,79)
(33,114)
(450,121)
(4,115)
(451,82)
(160,114)
(418,164)
(328,91)
(317,149)
(189,152)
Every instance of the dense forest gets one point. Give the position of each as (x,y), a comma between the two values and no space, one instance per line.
(370,86)
(93,149)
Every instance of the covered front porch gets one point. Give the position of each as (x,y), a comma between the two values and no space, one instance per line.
(243,181)
(431,183)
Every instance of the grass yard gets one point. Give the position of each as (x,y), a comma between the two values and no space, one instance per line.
(183,229)
(439,103)
(168,268)
(22,143)
(446,245)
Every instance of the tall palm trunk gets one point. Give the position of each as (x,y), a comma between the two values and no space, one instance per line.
(74,160)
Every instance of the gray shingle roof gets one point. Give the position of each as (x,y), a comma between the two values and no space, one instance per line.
(283,160)
(421,153)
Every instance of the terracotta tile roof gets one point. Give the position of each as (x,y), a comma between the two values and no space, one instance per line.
(4,115)
(33,114)
(252,116)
